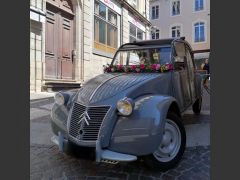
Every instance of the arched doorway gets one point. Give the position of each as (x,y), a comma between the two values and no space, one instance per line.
(59,40)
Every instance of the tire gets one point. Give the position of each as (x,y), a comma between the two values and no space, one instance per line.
(197,106)
(159,159)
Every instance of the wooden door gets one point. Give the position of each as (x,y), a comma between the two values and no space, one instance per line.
(66,43)
(59,40)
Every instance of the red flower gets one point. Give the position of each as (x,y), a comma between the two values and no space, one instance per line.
(133,67)
(158,66)
(120,67)
(153,66)
(169,66)
(142,66)
(108,69)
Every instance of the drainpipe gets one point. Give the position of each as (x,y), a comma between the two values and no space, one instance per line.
(82,43)
(145,9)
(121,27)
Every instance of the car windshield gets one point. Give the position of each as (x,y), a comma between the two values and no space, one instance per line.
(159,55)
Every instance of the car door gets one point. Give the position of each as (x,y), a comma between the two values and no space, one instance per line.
(191,74)
(181,83)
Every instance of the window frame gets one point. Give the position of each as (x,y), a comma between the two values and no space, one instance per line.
(205,31)
(171,8)
(194,5)
(175,25)
(156,7)
(136,35)
(154,33)
(107,23)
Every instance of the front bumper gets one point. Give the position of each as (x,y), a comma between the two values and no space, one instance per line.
(102,155)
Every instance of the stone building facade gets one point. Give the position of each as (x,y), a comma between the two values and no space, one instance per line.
(188,18)
(71,40)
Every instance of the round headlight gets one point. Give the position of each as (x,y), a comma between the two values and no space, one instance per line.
(59,98)
(125,106)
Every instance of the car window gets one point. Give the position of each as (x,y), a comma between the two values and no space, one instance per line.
(161,55)
(179,56)
(190,62)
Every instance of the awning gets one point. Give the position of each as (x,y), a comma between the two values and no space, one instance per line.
(201,55)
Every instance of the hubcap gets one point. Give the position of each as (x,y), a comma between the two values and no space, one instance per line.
(171,142)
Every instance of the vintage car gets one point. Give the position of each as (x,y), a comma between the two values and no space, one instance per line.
(133,110)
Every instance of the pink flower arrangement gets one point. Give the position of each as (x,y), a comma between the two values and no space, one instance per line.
(160,68)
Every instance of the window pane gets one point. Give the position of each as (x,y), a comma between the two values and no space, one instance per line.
(173,33)
(102,11)
(157,12)
(176,8)
(96,30)
(102,31)
(96,9)
(173,9)
(153,12)
(139,34)
(178,33)
(196,33)
(202,38)
(157,35)
(131,39)
(112,17)
(146,56)
(201,4)
(196,5)
(153,35)
(165,55)
(112,36)
(133,30)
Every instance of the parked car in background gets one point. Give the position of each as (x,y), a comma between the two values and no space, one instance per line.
(134,109)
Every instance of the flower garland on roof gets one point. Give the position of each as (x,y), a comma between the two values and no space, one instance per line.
(158,68)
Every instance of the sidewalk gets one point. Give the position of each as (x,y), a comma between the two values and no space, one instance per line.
(41,95)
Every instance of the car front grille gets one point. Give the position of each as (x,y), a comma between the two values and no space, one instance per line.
(81,131)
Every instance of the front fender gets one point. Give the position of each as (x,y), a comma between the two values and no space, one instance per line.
(59,114)
(141,132)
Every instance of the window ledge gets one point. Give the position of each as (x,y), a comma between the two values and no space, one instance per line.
(101,53)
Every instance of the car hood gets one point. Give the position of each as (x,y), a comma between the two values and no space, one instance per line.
(108,85)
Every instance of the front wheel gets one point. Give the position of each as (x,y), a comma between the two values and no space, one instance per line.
(171,149)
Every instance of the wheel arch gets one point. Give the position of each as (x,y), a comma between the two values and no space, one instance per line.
(174,108)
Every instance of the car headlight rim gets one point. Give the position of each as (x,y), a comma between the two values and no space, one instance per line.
(59,98)
(125,106)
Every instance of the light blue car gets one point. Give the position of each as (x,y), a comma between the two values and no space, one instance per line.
(133,110)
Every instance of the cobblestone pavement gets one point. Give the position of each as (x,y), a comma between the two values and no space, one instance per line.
(47,163)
